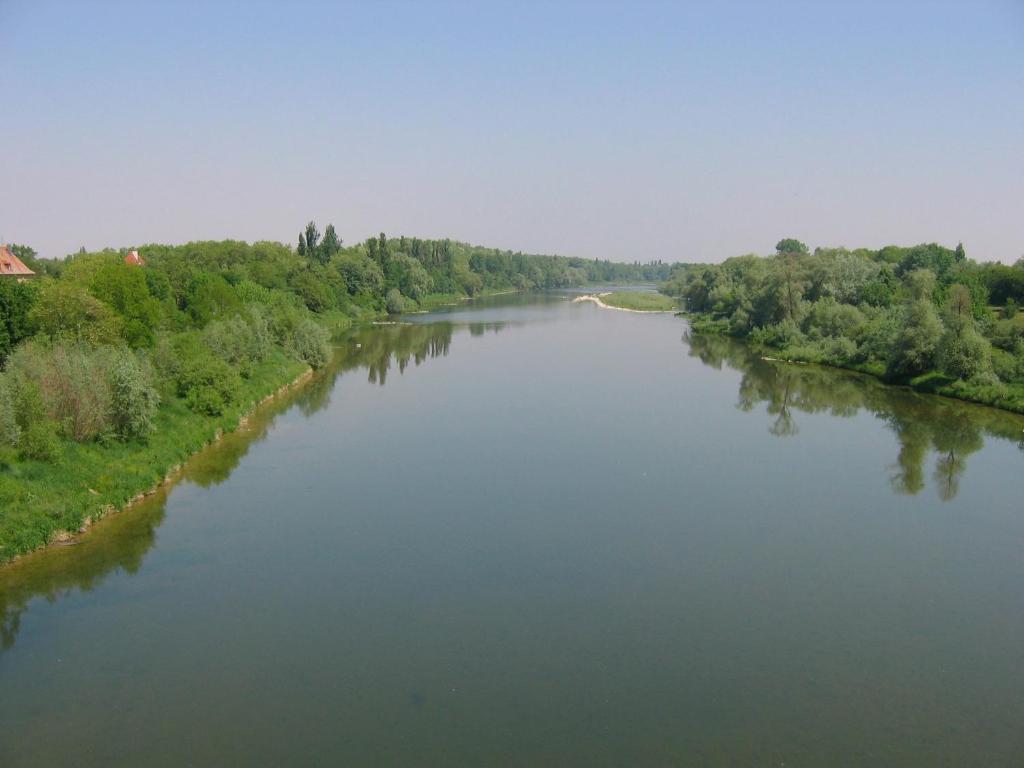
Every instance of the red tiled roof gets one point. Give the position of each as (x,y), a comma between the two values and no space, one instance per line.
(11,264)
(134,259)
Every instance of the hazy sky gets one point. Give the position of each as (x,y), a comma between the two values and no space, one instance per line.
(690,131)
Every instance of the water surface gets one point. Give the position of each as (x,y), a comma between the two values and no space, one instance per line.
(529,532)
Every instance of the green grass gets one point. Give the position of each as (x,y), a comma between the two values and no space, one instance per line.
(38,499)
(436,300)
(642,301)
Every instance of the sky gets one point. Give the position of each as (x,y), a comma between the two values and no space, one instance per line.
(623,131)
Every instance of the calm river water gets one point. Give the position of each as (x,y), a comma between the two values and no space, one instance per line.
(532,532)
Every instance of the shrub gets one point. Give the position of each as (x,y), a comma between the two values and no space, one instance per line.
(827,318)
(134,401)
(68,311)
(395,302)
(237,343)
(313,291)
(71,379)
(208,384)
(779,335)
(916,341)
(965,354)
(1010,309)
(839,350)
(311,343)
(16,300)
(250,292)
(9,429)
(38,438)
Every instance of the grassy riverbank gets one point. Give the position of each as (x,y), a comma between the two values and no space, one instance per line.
(39,499)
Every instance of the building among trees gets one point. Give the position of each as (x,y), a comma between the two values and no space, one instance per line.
(134,260)
(12,266)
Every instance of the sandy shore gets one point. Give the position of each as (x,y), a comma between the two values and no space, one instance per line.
(596,299)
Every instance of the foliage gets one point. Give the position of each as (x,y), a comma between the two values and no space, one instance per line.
(238,343)
(207,383)
(395,302)
(16,301)
(790,245)
(38,433)
(68,311)
(134,400)
(111,364)
(10,432)
(876,311)
(310,342)
(963,354)
(641,301)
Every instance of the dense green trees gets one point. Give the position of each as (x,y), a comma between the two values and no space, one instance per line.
(16,300)
(922,314)
(95,345)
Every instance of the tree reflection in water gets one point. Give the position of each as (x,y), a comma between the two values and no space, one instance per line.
(923,424)
(121,541)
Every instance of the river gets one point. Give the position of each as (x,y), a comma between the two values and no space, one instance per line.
(531,532)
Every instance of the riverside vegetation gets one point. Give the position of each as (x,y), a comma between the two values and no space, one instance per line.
(639,301)
(113,373)
(926,315)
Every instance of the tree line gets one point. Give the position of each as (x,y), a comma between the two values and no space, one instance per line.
(93,347)
(925,315)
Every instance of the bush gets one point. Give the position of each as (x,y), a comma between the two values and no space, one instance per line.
(839,350)
(237,343)
(780,335)
(72,384)
(311,343)
(828,318)
(250,292)
(38,438)
(70,312)
(395,302)
(965,354)
(314,292)
(916,341)
(134,401)
(1007,366)
(208,384)
(9,429)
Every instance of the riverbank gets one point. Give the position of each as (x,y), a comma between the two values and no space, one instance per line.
(1005,397)
(628,301)
(47,503)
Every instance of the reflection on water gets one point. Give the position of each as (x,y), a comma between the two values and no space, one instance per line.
(568,523)
(923,425)
(927,428)
(120,541)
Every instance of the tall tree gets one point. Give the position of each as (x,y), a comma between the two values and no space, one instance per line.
(312,238)
(790,245)
(330,246)
(916,341)
(962,351)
